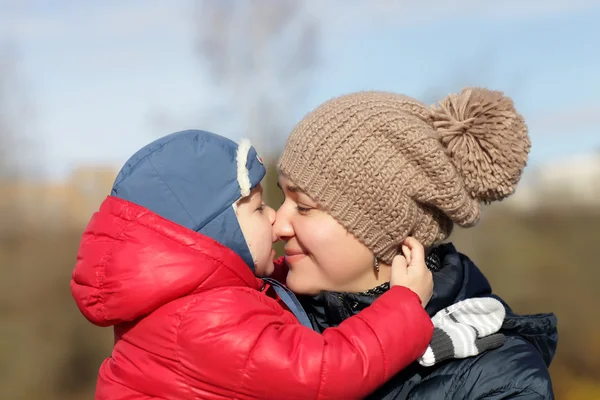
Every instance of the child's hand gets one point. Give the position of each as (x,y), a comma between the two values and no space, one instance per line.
(410,270)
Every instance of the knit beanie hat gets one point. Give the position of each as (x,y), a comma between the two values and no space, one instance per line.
(194,178)
(386,166)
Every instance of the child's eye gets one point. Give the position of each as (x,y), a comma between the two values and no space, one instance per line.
(261,208)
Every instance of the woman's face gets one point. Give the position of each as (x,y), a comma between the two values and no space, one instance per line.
(321,253)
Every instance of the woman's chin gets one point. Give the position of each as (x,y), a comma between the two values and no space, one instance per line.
(300,286)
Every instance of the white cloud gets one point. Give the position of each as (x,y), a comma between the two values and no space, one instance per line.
(21,19)
(507,9)
(356,13)
(110,19)
(567,122)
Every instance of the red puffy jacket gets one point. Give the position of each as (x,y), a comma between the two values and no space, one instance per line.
(191,321)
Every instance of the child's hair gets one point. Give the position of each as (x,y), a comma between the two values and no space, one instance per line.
(194,178)
(386,166)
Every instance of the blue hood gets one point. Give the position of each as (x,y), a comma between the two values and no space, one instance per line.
(191,178)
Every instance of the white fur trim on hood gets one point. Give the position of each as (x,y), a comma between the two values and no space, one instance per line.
(243,176)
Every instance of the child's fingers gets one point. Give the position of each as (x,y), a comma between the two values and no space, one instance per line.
(417,251)
(406,252)
(399,267)
(399,263)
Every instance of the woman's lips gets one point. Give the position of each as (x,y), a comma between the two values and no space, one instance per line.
(294,257)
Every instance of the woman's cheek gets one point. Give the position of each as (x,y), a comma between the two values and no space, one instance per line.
(312,234)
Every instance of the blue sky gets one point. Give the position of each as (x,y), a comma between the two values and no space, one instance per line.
(99,77)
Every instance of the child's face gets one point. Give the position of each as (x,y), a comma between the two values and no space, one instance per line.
(256,220)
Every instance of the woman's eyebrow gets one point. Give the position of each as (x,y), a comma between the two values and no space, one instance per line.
(291,188)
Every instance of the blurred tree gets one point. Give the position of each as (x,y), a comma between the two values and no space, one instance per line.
(15,113)
(261,55)
(7,129)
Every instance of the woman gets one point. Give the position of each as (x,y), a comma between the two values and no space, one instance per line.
(362,172)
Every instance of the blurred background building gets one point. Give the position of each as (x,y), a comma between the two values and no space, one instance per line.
(83,85)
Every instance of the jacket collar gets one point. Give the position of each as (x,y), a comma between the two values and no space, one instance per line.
(455,278)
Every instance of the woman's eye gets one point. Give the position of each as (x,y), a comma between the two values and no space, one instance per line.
(303,210)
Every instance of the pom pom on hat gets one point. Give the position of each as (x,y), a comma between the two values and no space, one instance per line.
(486,139)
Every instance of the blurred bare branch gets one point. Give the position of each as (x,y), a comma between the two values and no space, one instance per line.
(261,54)
(7,129)
(14,112)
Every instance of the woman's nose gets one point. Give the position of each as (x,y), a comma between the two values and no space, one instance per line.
(282,228)
(271,214)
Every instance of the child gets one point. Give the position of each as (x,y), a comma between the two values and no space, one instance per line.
(168,261)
